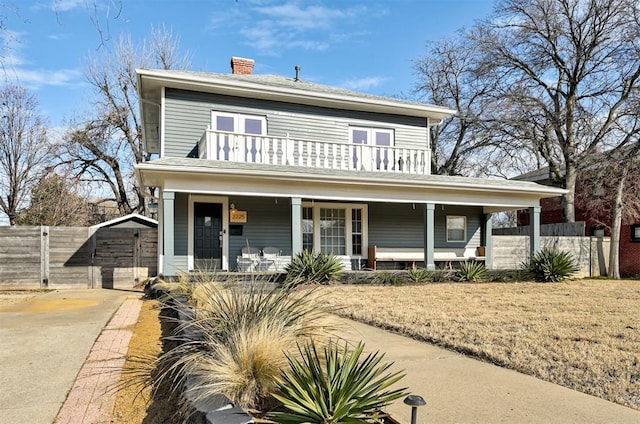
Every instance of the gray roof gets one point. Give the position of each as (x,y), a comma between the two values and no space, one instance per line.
(290,83)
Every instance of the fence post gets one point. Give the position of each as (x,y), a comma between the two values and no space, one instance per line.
(44,257)
(91,237)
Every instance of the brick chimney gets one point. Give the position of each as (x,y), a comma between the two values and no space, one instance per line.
(241,66)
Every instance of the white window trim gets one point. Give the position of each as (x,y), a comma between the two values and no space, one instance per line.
(237,119)
(464,237)
(316,206)
(225,227)
(371,132)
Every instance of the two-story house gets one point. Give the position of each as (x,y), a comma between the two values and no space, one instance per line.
(269,161)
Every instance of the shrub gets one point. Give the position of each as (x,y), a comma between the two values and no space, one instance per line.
(243,334)
(336,386)
(419,275)
(504,275)
(471,271)
(309,267)
(389,278)
(440,276)
(550,265)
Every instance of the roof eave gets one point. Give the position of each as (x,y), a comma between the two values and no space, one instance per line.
(535,189)
(256,90)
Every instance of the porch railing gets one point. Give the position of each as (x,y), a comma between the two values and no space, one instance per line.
(249,148)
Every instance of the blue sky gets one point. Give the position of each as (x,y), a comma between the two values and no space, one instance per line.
(363,45)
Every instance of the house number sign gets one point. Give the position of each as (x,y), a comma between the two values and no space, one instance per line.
(238,217)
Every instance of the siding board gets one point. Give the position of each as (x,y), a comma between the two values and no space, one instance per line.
(188,115)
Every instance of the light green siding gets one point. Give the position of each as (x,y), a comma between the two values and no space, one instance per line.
(188,115)
(268,224)
(400,225)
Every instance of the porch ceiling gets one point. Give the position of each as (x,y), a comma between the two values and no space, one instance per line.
(228,178)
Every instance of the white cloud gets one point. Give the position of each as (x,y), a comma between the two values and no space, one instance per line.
(363,84)
(273,26)
(11,48)
(36,78)
(58,37)
(66,5)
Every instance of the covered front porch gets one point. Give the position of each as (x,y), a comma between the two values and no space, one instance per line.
(210,210)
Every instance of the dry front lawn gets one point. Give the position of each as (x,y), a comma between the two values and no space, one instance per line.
(582,334)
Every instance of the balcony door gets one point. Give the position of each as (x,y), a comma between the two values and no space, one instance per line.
(241,144)
(372,158)
(207,236)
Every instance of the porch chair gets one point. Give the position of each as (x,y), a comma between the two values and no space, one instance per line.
(250,252)
(245,264)
(268,258)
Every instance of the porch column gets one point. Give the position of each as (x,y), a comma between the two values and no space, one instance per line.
(488,241)
(168,198)
(429,230)
(296,225)
(534,226)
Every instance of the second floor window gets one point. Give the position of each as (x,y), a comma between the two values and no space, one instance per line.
(373,158)
(238,123)
(244,146)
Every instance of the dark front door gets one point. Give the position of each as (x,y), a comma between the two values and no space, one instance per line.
(207,236)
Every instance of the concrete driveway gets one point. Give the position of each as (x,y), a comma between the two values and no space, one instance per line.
(44,341)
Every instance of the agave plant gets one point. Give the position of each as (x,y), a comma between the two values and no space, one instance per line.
(471,271)
(551,265)
(309,267)
(336,386)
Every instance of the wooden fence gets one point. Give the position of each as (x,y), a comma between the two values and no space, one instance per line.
(76,257)
(570,229)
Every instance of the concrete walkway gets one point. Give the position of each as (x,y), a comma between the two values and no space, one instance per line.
(459,389)
(44,342)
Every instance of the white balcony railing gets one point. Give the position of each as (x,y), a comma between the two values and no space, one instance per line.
(225,146)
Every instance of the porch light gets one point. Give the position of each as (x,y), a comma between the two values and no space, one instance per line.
(232,206)
(414,401)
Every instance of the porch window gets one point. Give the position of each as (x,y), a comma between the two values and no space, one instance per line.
(332,231)
(307,229)
(356,231)
(456,228)
(334,228)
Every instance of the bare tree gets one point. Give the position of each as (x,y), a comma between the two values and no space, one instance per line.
(566,68)
(56,200)
(448,75)
(608,193)
(24,148)
(105,147)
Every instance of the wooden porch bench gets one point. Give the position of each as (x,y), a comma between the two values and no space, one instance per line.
(412,255)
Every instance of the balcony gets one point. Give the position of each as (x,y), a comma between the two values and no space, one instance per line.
(249,148)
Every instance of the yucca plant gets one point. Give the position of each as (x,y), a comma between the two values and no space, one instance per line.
(471,271)
(309,267)
(418,275)
(551,265)
(242,336)
(337,386)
